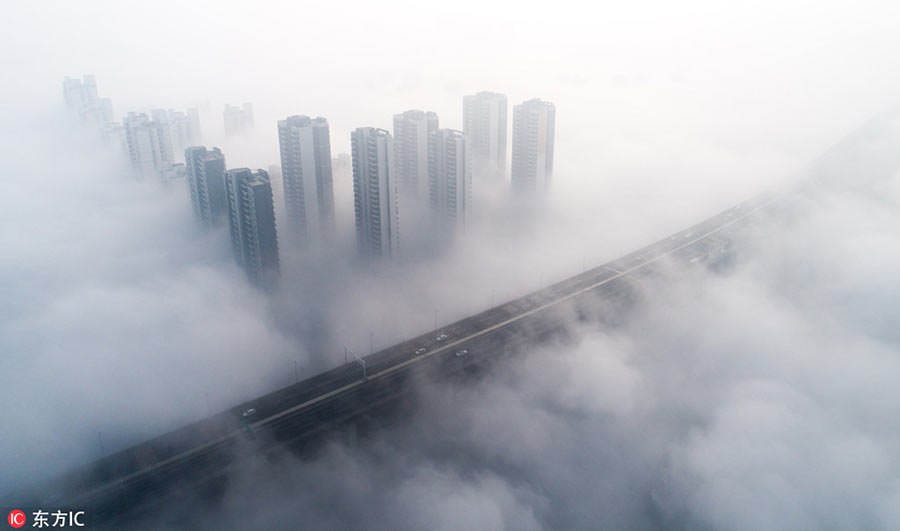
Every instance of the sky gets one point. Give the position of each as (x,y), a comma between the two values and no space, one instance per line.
(761,398)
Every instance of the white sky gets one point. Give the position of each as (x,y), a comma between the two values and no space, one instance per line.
(789,74)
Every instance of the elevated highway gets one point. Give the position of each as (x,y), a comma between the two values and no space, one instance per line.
(127,479)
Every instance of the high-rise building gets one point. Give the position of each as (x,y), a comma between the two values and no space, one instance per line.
(274,171)
(342,162)
(411,130)
(163,130)
(185,129)
(484,123)
(174,174)
(375,192)
(149,145)
(532,152)
(238,119)
(113,133)
(206,181)
(79,92)
(81,97)
(177,129)
(193,118)
(251,220)
(140,141)
(306,176)
(450,181)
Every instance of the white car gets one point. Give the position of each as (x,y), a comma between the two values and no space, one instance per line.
(421,350)
(442,337)
(461,353)
(249,413)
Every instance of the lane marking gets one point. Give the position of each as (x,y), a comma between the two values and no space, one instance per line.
(415,359)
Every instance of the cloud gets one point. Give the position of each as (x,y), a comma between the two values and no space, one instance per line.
(761,395)
(119,316)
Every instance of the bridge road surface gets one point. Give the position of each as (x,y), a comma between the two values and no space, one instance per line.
(205,448)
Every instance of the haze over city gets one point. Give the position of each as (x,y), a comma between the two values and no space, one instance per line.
(451,266)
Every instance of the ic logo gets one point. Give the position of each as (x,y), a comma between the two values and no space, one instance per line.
(16,518)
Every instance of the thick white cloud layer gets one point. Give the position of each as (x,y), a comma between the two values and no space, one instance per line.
(119,317)
(762,397)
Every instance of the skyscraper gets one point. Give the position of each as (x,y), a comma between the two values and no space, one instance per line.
(251,219)
(484,123)
(532,152)
(184,129)
(113,133)
(193,118)
(162,128)
(79,92)
(450,180)
(411,130)
(176,173)
(149,145)
(306,175)
(238,119)
(81,97)
(206,181)
(375,192)
(177,130)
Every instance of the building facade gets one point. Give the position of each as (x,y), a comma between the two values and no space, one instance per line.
(375,193)
(184,129)
(411,130)
(174,176)
(251,221)
(148,144)
(206,181)
(450,180)
(238,119)
(81,97)
(306,175)
(532,152)
(484,123)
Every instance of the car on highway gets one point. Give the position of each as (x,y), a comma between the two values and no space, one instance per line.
(441,337)
(421,350)
(461,353)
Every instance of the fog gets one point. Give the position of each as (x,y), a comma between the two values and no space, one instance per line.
(762,397)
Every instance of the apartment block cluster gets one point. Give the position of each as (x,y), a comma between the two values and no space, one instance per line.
(149,142)
(152,141)
(80,96)
(429,167)
(435,167)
